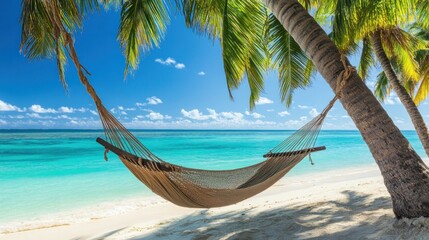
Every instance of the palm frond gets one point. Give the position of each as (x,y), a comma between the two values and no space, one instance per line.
(142,25)
(203,16)
(401,47)
(367,59)
(423,89)
(41,34)
(423,13)
(293,66)
(382,87)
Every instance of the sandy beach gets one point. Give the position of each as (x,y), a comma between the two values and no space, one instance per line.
(351,203)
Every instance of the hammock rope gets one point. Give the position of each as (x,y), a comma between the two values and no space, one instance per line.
(199,188)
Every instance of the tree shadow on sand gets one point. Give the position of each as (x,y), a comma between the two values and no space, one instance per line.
(360,216)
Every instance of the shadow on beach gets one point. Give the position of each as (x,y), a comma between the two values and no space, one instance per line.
(358,217)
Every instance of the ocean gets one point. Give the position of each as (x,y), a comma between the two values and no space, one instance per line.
(47,171)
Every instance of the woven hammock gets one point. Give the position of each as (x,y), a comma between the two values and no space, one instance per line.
(197,188)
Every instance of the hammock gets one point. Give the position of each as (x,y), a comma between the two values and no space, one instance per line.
(198,188)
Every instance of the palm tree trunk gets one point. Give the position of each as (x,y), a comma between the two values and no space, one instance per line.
(405,174)
(407,101)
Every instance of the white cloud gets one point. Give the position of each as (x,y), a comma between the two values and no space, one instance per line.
(2,122)
(153,100)
(303,107)
(180,66)
(72,110)
(150,101)
(66,109)
(201,73)
(232,115)
(284,113)
(392,99)
(93,112)
(157,116)
(34,115)
(313,112)
(270,110)
(195,114)
(263,100)
(39,109)
(4,106)
(84,123)
(254,115)
(170,61)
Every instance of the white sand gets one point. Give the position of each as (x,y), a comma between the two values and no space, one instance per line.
(346,204)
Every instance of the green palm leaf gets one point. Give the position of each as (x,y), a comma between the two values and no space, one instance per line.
(143,24)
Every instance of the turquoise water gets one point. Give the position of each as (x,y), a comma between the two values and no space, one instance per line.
(42,172)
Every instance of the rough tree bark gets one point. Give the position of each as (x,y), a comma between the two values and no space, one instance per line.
(405,174)
(406,100)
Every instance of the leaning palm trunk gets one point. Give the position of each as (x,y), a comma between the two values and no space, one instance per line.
(405,174)
(407,101)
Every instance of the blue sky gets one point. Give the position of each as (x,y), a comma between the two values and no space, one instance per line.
(180,85)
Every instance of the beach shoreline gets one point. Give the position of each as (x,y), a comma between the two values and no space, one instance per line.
(358,191)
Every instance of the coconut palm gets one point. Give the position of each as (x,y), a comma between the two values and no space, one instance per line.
(376,24)
(48,28)
(405,175)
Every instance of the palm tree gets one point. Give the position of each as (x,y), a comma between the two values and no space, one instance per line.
(48,27)
(376,24)
(405,174)
(388,146)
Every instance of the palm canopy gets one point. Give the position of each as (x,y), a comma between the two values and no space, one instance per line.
(45,24)
(253,41)
(355,21)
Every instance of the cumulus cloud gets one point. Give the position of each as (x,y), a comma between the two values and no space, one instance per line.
(157,116)
(201,73)
(170,61)
(180,66)
(195,114)
(4,106)
(303,106)
(34,115)
(254,114)
(392,99)
(72,110)
(153,100)
(263,100)
(66,109)
(284,113)
(150,101)
(313,112)
(39,109)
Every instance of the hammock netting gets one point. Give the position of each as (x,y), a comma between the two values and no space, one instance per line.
(197,188)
